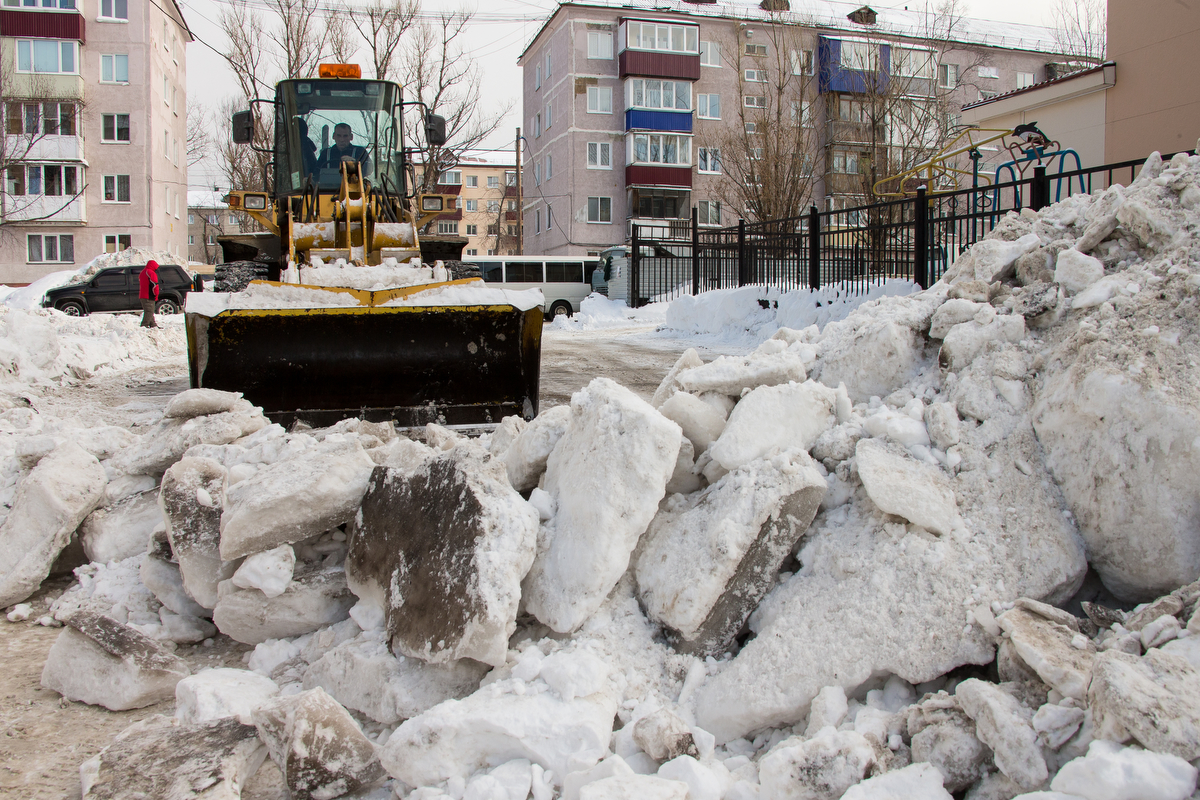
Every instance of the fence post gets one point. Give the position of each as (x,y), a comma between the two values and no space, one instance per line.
(1039,192)
(921,240)
(814,248)
(741,252)
(695,252)
(634,268)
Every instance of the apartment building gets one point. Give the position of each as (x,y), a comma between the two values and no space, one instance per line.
(94,154)
(488,211)
(209,216)
(640,111)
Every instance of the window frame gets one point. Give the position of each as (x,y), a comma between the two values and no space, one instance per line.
(113,57)
(41,238)
(704,212)
(450,172)
(599,92)
(707,113)
(116,118)
(600,206)
(115,6)
(682,148)
(116,189)
(760,101)
(690,34)
(948,76)
(714,51)
(598,38)
(600,147)
(708,160)
(754,76)
(644,87)
(755,50)
(30,56)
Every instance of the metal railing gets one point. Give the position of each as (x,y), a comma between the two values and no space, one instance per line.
(915,238)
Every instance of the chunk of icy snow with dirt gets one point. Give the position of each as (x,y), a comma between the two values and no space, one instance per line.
(634,787)
(313,599)
(161,757)
(1050,649)
(1154,700)
(167,440)
(49,504)
(1112,772)
(820,768)
(966,341)
(294,499)
(212,694)
(915,780)
(613,765)
(495,724)
(1056,724)
(317,746)
(775,417)
(950,313)
(899,484)
(943,735)
(193,528)
(991,259)
(608,473)
(732,374)
(704,567)
(443,552)
(525,459)
(662,735)
(701,422)
(670,382)
(200,403)
(941,422)
(99,661)
(1076,271)
(1004,725)
(122,530)
(270,572)
(362,674)
(704,782)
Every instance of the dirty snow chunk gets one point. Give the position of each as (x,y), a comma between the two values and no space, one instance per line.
(200,402)
(526,457)
(194,529)
(1004,725)
(950,744)
(915,780)
(702,571)
(458,737)
(269,572)
(1076,271)
(670,382)
(634,787)
(574,673)
(512,780)
(1048,648)
(1056,724)
(50,503)
(163,758)
(1112,772)
(775,417)
(1160,631)
(312,600)
(122,530)
(732,374)
(663,736)
(828,708)
(1187,648)
(966,341)
(701,422)
(1102,218)
(820,768)
(212,694)
(607,473)
(901,485)
(443,551)
(20,612)
(703,783)
(362,674)
(941,421)
(1154,700)
(991,259)
(951,313)
(167,440)
(609,767)
(317,746)
(1147,224)
(99,661)
(295,499)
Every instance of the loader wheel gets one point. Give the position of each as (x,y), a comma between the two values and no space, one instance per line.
(458,270)
(236,275)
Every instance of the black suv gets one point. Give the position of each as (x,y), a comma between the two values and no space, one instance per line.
(116,289)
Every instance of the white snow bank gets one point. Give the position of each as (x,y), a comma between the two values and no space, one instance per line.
(259,295)
(472,295)
(597,312)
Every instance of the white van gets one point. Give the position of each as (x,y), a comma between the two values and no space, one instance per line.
(564,280)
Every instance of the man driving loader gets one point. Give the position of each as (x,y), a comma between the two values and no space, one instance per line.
(343,148)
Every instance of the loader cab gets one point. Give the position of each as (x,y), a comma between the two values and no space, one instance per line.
(321,121)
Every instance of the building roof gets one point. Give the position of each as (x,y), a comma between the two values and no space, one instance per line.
(204,198)
(832,15)
(1033,88)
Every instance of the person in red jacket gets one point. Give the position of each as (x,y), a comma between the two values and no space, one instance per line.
(148,293)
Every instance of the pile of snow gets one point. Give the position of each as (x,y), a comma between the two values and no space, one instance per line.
(597,312)
(837,565)
(385,276)
(31,296)
(474,294)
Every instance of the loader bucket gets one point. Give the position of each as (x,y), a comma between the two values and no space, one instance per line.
(454,365)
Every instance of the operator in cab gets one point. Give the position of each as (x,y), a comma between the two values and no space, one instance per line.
(331,157)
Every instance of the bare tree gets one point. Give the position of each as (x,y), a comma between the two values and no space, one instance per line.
(382,25)
(199,134)
(302,39)
(1081,30)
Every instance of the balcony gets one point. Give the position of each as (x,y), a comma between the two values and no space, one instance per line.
(838,132)
(43,148)
(833,76)
(657,120)
(658,175)
(658,64)
(44,209)
(41,24)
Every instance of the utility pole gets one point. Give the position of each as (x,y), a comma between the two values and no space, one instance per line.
(520,200)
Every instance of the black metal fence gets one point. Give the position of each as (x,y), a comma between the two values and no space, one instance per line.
(915,238)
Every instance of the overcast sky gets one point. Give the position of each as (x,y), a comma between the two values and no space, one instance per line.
(501,30)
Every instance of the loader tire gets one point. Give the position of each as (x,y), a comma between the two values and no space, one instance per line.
(236,275)
(459,270)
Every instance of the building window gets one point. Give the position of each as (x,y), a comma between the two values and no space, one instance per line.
(493,206)
(472,230)
(512,206)
(948,76)
(537,221)
(211,239)
(114,128)
(537,77)
(512,231)
(510,177)
(756,50)
(472,205)
(660,94)
(755,75)
(46,56)
(191,219)
(852,110)
(754,101)
(33,119)
(672,38)
(756,154)
(451,177)
(989,72)
(599,99)
(447,227)
(114,9)
(710,54)
(473,181)
(52,180)
(599,155)
(549,115)
(751,127)
(51,248)
(116,189)
(802,113)
(213,219)
(1025,79)
(708,159)
(491,252)
(802,62)
(859,56)
(845,162)
(45,4)
(114,68)
(191,239)
(549,172)
(662,148)
(910,62)
(493,230)
(599,209)
(549,218)
(599,44)
(708,212)
(708,106)
(232,219)
(537,125)
(116,242)
(472,252)
(493,182)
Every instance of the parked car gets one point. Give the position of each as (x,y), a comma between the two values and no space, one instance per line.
(116,289)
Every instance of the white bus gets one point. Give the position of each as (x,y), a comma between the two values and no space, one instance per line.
(564,280)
